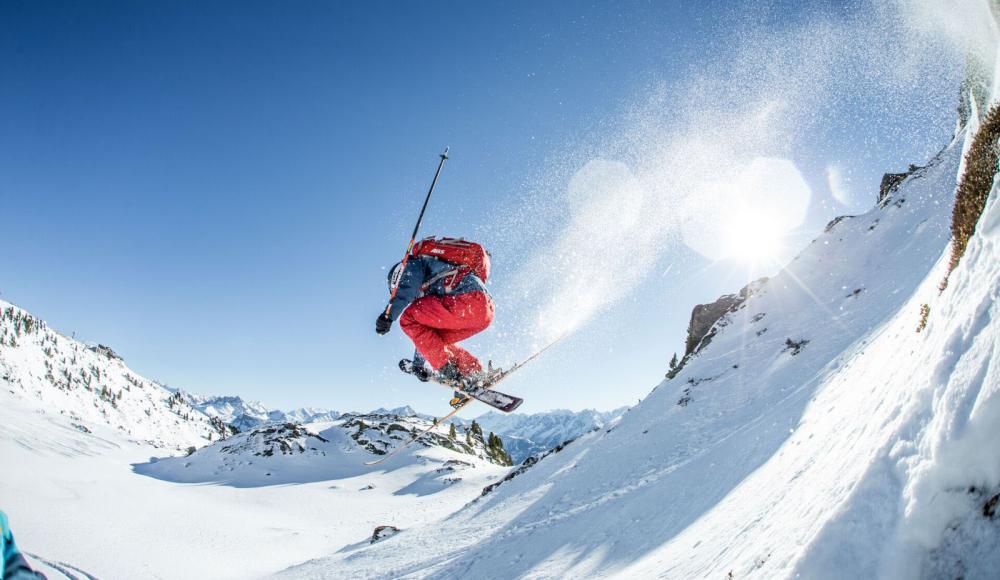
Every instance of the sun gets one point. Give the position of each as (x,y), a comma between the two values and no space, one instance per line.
(752,238)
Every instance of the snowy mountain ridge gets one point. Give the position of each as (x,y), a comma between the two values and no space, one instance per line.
(92,385)
(276,454)
(524,435)
(244,415)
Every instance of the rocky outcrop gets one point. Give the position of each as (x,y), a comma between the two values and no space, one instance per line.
(287,439)
(383,532)
(106,351)
(704,316)
(705,321)
(890,181)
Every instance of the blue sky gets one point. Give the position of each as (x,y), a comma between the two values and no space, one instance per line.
(215,188)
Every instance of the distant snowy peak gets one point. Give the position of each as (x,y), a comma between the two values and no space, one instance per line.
(405,411)
(93,386)
(245,415)
(229,408)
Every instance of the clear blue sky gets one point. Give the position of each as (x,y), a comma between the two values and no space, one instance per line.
(215,188)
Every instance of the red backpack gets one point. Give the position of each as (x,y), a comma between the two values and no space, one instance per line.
(468,256)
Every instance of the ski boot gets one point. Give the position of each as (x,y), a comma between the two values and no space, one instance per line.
(458,399)
(450,375)
(482,379)
(418,370)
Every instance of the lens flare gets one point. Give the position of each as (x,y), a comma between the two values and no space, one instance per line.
(753,239)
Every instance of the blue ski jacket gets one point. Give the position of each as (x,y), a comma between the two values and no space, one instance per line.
(427,276)
(14,566)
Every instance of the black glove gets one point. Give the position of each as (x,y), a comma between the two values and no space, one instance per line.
(383,323)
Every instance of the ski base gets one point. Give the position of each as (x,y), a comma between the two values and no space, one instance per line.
(485,394)
(499,401)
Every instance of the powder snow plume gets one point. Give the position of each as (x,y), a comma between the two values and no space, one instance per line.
(672,167)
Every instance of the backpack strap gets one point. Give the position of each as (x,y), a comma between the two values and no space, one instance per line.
(457,274)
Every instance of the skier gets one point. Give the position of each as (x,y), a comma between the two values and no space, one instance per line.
(441,299)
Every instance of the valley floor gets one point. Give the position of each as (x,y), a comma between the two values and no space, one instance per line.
(75,497)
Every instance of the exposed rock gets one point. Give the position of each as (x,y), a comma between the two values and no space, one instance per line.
(990,507)
(704,320)
(890,181)
(704,316)
(287,439)
(833,223)
(383,532)
(106,351)
(794,346)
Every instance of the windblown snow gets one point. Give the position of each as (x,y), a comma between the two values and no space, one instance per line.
(819,435)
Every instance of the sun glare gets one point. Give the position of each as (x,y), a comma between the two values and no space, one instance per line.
(746,217)
(753,239)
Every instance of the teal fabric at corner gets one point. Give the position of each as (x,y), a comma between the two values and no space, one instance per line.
(14,567)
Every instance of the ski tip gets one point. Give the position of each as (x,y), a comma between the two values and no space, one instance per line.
(445,154)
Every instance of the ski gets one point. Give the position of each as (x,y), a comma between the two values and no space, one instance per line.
(484,392)
(487,387)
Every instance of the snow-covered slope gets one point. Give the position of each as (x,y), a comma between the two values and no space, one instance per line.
(93,386)
(98,501)
(91,487)
(819,435)
(527,435)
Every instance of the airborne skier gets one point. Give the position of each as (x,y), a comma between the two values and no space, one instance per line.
(440,298)
(438,293)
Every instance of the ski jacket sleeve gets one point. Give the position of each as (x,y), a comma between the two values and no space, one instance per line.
(14,567)
(410,284)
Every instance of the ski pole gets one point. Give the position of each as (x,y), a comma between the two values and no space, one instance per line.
(413,237)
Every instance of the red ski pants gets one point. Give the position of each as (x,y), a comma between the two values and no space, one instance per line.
(436,323)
